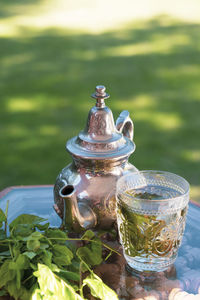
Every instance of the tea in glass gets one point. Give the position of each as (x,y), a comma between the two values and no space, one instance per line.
(151,214)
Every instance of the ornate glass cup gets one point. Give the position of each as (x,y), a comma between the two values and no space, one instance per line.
(151,215)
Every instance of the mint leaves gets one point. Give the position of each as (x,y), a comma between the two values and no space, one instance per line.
(42,263)
(52,287)
(98,288)
(90,254)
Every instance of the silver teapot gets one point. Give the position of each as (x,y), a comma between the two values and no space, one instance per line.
(84,192)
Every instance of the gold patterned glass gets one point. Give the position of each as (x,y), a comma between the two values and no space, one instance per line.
(151,214)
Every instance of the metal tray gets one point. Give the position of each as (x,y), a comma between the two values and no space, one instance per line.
(38,200)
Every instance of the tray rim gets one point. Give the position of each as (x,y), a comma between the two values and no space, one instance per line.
(6,190)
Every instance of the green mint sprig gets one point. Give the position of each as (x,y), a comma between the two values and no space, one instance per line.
(38,262)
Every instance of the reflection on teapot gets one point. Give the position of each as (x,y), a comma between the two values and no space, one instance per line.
(84,192)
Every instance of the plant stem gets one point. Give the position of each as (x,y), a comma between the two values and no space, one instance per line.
(10,248)
(80,273)
(6,241)
(80,239)
(109,254)
(6,214)
(25,280)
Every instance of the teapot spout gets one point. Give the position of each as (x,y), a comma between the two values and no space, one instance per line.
(76,216)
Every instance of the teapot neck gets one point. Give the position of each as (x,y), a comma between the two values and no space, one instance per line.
(100,166)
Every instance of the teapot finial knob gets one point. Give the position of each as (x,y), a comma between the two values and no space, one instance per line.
(100,95)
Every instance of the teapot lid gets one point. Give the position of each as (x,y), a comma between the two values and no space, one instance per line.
(101,139)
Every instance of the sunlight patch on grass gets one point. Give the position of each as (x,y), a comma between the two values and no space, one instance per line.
(22,105)
(142,101)
(49,130)
(183,69)
(159,44)
(12,60)
(174,75)
(191,155)
(195,90)
(93,16)
(8,30)
(143,107)
(36,103)
(138,102)
(195,193)
(163,121)
(85,54)
(16,131)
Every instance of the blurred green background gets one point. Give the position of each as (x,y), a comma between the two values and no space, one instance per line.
(54,53)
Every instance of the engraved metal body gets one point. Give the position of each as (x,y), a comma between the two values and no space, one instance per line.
(84,191)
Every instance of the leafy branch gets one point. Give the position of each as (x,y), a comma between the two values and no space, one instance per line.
(40,262)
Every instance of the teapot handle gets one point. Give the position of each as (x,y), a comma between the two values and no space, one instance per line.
(124,124)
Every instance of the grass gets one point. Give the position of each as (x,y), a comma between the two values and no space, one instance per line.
(151,68)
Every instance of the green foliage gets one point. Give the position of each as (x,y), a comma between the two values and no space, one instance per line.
(91,254)
(2,217)
(98,288)
(52,287)
(46,264)
(6,273)
(62,255)
(25,219)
